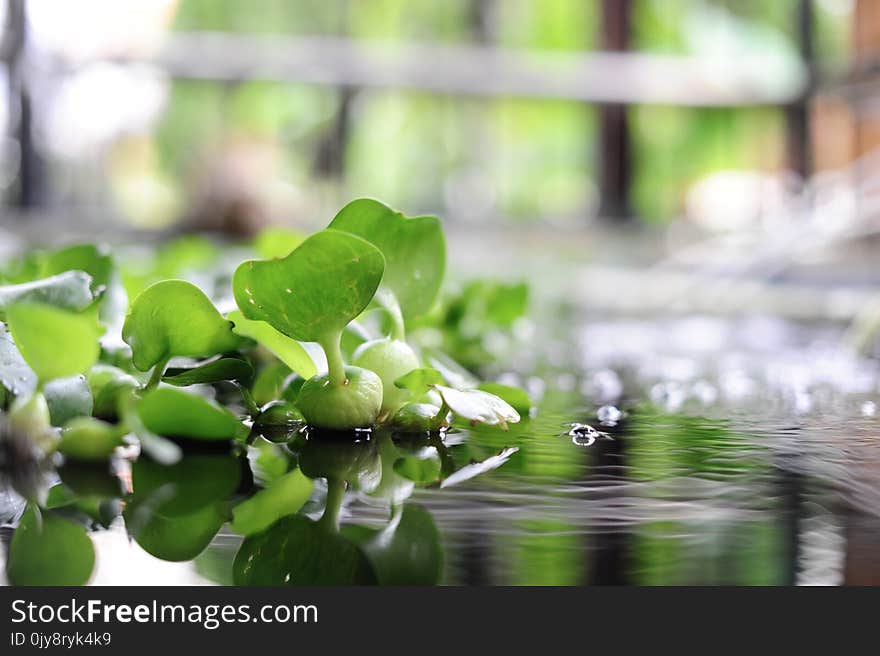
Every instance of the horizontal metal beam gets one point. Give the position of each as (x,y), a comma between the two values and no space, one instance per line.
(594,77)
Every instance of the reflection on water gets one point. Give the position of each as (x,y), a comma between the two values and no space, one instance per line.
(612,482)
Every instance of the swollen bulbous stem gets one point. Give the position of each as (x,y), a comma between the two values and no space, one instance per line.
(335,493)
(333,351)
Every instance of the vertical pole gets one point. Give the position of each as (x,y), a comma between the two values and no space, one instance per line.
(330,155)
(615,174)
(798,113)
(31,179)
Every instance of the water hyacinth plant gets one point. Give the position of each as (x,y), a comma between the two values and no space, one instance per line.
(316,348)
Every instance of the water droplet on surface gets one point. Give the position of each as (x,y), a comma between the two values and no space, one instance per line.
(583,434)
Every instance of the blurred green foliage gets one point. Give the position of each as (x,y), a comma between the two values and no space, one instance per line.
(520,158)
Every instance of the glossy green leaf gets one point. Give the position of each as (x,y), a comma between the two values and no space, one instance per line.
(173,412)
(414,250)
(15,374)
(69,291)
(88,439)
(49,550)
(514,396)
(55,343)
(478,407)
(175,318)
(316,290)
(284,496)
(285,348)
(406,552)
(234,369)
(68,398)
(295,551)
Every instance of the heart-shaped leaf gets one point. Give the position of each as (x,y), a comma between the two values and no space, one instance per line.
(49,550)
(285,348)
(70,291)
(414,250)
(284,496)
(314,292)
(55,343)
(296,551)
(173,412)
(175,318)
(234,369)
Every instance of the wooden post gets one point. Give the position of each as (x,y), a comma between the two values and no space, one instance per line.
(615,173)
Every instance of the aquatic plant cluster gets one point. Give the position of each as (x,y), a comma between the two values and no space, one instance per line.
(148,409)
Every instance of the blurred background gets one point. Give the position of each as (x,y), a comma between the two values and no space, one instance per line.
(213,113)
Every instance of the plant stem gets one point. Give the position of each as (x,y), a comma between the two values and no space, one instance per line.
(335,494)
(333,351)
(156,375)
(251,405)
(398,328)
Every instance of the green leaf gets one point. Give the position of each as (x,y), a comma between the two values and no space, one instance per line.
(514,396)
(68,398)
(89,440)
(15,374)
(49,550)
(172,412)
(198,480)
(414,250)
(296,551)
(175,318)
(56,343)
(69,291)
(211,372)
(419,380)
(277,241)
(478,407)
(284,496)
(316,290)
(285,348)
(177,538)
(94,260)
(406,552)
